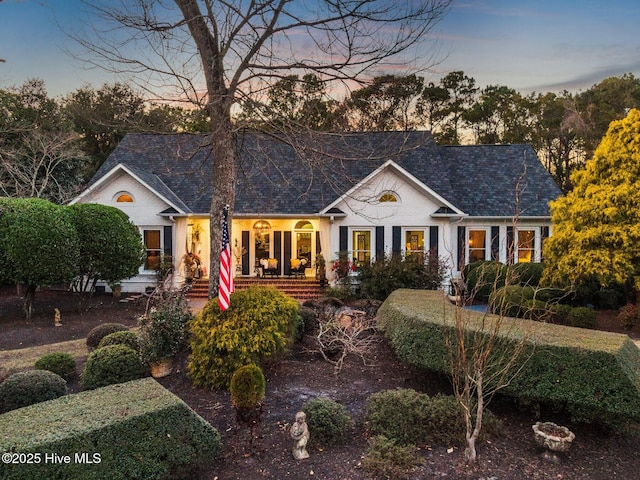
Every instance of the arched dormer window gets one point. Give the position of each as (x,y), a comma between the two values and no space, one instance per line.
(388,197)
(124,197)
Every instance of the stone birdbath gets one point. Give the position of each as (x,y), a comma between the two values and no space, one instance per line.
(554,438)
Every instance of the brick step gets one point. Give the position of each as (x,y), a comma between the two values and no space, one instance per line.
(298,288)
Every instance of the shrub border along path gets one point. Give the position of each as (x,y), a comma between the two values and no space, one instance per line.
(592,375)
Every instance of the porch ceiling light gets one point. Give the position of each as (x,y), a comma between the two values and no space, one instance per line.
(261,227)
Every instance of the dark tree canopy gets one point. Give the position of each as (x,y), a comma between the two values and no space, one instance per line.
(111,248)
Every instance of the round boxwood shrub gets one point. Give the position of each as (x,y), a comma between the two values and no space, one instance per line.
(111,364)
(60,363)
(329,422)
(26,388)
(260,323)
(99,332)
(247,388)
(583,317)
(122,337)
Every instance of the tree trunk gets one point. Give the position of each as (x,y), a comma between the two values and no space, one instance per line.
(29,294)
(470,454)
(223,150)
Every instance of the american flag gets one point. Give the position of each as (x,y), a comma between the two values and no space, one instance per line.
(225,288)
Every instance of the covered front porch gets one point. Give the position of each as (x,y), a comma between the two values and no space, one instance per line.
(275,248)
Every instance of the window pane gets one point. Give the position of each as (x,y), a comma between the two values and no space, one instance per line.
(152,245)
(477,245)
(526,239)
(362,246)
(303,246)
(414,244)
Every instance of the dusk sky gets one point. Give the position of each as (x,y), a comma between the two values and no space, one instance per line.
(528,45)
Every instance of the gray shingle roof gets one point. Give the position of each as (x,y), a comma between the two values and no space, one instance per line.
(307,174)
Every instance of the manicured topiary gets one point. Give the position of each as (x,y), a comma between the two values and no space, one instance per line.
(26,388)
(58,362)
(111,364)
(99,332)
(329,422)
(134,430)
(583,317)
(247,388)
(591,376)
(260,323)
(123,337)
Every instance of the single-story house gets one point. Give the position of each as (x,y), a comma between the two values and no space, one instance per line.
(368,194)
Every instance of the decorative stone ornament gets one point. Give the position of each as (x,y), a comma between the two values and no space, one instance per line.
(300,435)
(552,437)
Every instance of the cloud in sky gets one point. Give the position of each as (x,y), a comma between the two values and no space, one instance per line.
(541,45)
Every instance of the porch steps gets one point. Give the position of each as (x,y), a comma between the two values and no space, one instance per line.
(298,288)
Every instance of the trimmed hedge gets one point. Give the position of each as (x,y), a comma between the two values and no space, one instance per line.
(132,430)
(593,375)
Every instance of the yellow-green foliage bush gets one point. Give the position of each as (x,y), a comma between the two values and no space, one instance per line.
(260,323)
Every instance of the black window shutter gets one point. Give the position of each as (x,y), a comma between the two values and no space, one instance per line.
(462,244)
(380,243)
(544,234)
(168,241)
(433,242)
(495,243)
(396,245)
(287,253)
(245,257)
(277,249)
(510,246)
(344,238)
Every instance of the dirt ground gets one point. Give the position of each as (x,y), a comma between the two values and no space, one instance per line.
(266,454)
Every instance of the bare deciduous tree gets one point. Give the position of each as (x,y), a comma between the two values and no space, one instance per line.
(43,165)
(223,54)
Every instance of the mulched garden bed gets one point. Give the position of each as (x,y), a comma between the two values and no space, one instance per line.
(266,453)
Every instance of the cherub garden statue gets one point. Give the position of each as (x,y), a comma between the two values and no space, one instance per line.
(300,435)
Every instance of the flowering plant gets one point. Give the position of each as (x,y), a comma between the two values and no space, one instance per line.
(343,266)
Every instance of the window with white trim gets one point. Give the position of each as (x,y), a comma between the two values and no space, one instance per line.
(477,245)
(152,239)
(526,241)
(414,243)
(361,246)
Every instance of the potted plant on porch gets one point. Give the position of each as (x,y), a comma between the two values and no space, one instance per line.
(162,332)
